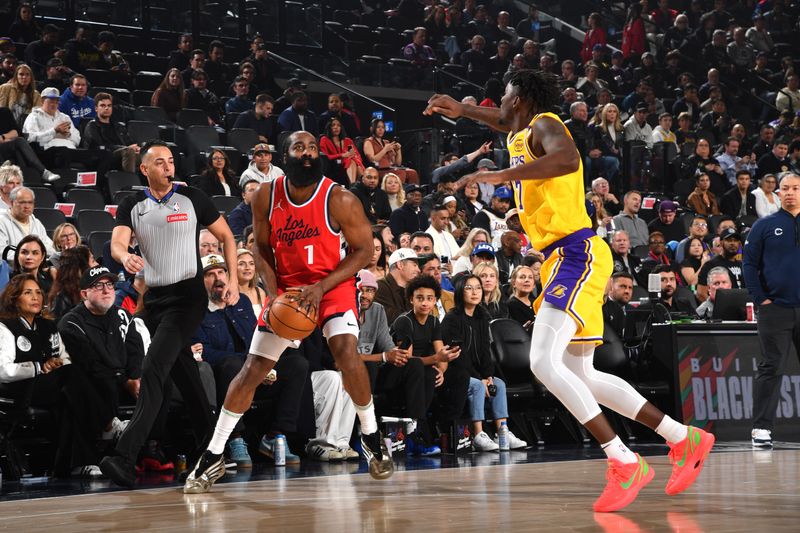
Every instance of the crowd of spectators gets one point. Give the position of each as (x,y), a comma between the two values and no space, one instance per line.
(684,133)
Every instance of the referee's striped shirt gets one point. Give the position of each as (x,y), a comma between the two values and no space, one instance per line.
(167,231)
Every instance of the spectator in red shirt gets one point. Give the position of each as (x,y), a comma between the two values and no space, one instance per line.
(594,35)
(633,35)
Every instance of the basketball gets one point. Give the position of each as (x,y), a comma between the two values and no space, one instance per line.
(288,320)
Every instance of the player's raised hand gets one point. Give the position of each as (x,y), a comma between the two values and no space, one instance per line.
(444,105)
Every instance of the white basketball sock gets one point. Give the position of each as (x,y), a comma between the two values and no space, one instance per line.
(616,449)
(225,424)
(672,430)
(366,415)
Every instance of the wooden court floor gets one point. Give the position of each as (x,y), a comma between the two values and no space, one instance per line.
(739,491)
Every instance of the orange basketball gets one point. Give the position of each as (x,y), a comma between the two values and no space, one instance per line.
(288,320)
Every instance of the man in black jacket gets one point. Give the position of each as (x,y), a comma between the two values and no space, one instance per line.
(199,97)
(103,341)
(373,198)
(616,306)
(776,160)
(103,135)
(509,256)
(738,201)
(409,217)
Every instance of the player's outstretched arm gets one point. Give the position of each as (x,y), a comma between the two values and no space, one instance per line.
(559,156)
(264,259)
(447,106)
(347,212)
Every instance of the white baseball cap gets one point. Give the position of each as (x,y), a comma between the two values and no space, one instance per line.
(401,255)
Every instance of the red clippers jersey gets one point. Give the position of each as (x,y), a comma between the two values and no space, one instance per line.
(305,245)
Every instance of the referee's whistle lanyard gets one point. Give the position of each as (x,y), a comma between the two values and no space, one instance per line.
(165,199)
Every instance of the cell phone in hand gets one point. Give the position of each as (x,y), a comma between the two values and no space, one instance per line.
(456,343)
(404,344)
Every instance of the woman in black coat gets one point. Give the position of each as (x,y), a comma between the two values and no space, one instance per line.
(467,324)
(218,179)
(35,370)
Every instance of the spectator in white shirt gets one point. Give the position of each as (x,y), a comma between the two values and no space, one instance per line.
(637,128)
(663,132)
(789,97)
(261,168)
(18,221)
(444,245)
(767,201)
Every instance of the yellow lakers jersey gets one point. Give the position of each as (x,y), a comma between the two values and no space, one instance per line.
(549,209)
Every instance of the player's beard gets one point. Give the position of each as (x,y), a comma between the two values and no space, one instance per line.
(300,175)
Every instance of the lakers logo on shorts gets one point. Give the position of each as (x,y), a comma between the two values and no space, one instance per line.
(559,291)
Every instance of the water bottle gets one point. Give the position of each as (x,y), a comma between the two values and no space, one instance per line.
(502,436)
(280,450)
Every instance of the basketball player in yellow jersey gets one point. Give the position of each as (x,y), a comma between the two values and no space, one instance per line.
(547,174)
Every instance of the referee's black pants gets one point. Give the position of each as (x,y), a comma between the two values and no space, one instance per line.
(173,314)
(778,328)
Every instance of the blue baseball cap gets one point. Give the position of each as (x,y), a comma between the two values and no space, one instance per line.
(483,248)
(504,193)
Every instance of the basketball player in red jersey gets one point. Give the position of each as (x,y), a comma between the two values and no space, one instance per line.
(312,236)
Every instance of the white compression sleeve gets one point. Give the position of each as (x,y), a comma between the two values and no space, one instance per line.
(552,332)
(608,389)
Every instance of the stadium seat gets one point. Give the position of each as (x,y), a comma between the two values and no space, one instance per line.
(119,180)
(50,218)
(91,220)
(243,139)
(84,198)
(201,138)
(142,98)
(192,117)
(142,131)
(147,80)
(97,241)
(45,196)
(153,114)
(226,204)
(119,196)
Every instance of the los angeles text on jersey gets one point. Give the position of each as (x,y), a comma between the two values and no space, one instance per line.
(295,229)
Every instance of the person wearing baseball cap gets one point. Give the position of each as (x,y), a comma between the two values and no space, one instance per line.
(493,218)
(110,347)
(731,242)
(667,222)
(260,168)
(637,128)
(403,267)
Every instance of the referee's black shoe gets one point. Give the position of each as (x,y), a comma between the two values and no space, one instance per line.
(119,470)
(380,462)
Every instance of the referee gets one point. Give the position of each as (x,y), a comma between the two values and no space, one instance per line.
(771,256)
(166,218)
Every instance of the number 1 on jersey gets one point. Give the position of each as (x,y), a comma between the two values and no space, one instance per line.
(310,250)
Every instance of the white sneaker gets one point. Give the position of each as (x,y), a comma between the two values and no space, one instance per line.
(323,453)
(514,443)
(50,176)
(349,454)
(761,438)
(92,471)
(482,443)
(117,427)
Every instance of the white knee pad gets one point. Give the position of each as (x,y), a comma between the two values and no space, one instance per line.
(268,345)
